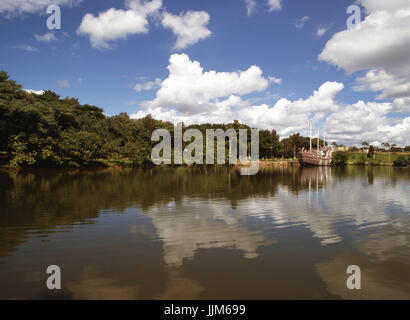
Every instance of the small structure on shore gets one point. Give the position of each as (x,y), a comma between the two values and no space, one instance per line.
(315,157)
(342,149)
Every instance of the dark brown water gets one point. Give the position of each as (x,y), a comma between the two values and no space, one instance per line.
(188,233)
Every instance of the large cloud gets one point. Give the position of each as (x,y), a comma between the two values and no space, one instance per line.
(380,44)
(367,122)
(116,24)
(292,116)
(17,7)
(349,124)
(189,27)
(190,89)
(391,85)
(192,95)
(113,24)
(390,5)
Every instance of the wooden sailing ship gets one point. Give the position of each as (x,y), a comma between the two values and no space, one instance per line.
(315,157)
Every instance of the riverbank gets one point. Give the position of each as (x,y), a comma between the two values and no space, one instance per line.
(400,159)
(351,159)
(262,164)
(278,163)
(370,163)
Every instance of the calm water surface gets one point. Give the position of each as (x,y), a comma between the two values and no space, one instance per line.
(191,233)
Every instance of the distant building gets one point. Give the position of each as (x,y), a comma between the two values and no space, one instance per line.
(343,149)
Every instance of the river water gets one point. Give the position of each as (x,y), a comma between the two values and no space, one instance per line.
(205,233)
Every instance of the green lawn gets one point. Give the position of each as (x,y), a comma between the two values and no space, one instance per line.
(379,157)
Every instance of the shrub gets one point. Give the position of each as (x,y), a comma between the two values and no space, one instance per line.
(401,162)
(147,163)
(340,158)
(361,161)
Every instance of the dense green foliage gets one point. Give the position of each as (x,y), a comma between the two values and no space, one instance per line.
(44,130)
(401,162)
(361,161)
(339,158)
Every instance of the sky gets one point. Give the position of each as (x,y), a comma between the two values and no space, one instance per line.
(272,64)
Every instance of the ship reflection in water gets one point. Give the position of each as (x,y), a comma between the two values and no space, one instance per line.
(195,233)
(315,178)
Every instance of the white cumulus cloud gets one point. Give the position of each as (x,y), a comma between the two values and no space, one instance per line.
(116,24)
(190,89)
(301,22)
(189,27)
(149,85)
(26,47)
(38,92)
(192,95)
(378,45)
(383,5)
(274,5)
(367,122)
(17,7)
(275,80)
(285,116)
(289,117)
(321,31)
(47,37)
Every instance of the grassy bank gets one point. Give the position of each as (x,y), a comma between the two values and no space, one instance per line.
(379,158)
(339,158)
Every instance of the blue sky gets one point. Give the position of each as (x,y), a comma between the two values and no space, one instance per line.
(109,73)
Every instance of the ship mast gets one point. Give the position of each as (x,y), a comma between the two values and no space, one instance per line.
(318,140)
(310,135)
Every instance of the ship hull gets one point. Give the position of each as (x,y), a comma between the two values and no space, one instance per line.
(310,159)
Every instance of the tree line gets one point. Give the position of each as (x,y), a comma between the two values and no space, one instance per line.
(45,130)
(48,131)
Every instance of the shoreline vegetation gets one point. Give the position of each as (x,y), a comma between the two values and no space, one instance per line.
(263,163)
(45,131)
